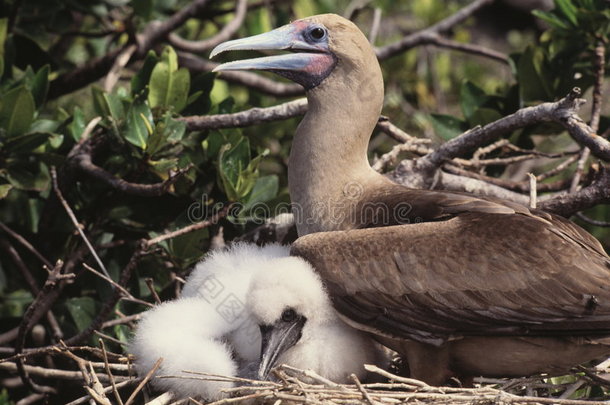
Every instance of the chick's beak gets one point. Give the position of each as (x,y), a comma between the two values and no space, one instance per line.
(276,339)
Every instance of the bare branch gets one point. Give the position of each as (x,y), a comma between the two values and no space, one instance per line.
(428,34)
(249,117)
(563,111)
(568,204)
(225,34)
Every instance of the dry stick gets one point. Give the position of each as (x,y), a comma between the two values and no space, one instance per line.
(420,37)
(121,321)
(31,281)
(533,194)
(375,25)
(194,227)
(441,42)
(30,399)
(146,378)
(45,298)
(26,244)
(151,287)
(365,394)
(596,109)
(225,34)
(115,391)
(75,221)
(114,284)
(106,390)
(115,72)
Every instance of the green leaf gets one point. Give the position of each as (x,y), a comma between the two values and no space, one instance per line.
(107,105)
(15,303)
(17,111)
(39,85)
(82,310)
(4,190)
(140,80)
(483,116)
(264,189)
(162,166)
(471,98)
(446,126)
(551,19)
(139,124)
(199,102)
(532,75)
(3,31)
(568,9)
(26,143)
(78,124)
(169,86)
(23,177)
(143,8)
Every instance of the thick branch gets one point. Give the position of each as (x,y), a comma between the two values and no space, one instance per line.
(81,157)
(225,34)
(428,34)
(562,111)
(248,79)
(569,204)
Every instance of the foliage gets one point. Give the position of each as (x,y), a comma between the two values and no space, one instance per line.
(141,138)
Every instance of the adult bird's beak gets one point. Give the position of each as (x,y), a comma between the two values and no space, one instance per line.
(283,38)
(276,339)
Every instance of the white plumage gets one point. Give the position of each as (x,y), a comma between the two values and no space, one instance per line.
(214,327)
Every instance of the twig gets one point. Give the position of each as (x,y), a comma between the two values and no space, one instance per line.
(45,298)
(26,244)
(122,384)
(121,321)
(365,394)
(151,287)
(191,228)
(114,284)
(375,25)
(30,399)
(596,108)
(420,37)
(120,62)
(115,391)
(533,193)
(594,222)
(142,383)
(78,226)
(224,34)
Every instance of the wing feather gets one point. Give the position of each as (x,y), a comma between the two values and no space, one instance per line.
(476,273)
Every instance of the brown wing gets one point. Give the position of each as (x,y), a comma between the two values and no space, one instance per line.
(474,274)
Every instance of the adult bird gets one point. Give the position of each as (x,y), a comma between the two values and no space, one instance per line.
(244,311)
(461,285)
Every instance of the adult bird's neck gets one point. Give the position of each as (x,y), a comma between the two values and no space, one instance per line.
(328,171)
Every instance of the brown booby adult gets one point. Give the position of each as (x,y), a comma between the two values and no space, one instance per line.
(459,284)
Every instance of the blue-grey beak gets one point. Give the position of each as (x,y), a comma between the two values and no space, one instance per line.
(283,38)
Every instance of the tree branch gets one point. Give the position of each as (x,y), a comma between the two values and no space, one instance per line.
(246,118)
(428,34)
(225,34)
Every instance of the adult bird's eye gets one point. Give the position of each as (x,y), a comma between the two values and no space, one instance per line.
(289,315)
(317,33)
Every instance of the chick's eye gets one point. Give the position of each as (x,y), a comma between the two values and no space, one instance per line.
(317,33)
(289,315)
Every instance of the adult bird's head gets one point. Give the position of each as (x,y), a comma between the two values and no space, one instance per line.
(291,308)
(319,47)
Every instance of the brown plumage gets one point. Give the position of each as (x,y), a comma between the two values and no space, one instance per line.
(459,284)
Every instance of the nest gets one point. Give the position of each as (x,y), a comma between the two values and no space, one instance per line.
(108,378)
